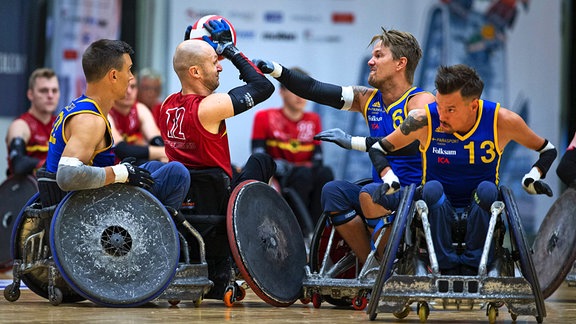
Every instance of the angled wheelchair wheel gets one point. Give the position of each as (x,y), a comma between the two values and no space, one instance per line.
(519,239)
(116,245)
(19,189)
(28,226)
(404,212)
(553,248)
(339,250)
(266,243)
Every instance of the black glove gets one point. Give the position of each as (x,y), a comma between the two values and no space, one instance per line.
(187,32)
(265,66)
(533,185)
(137,176)
(221,38)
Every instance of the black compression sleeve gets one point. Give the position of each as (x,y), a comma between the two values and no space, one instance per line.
(311,89)
(124,150)
(257,88)
(20,162)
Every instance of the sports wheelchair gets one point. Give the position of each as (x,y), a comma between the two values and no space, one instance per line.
(116,246)
(333,273)
(409,270)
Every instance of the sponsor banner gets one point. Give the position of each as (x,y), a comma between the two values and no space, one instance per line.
(76,24)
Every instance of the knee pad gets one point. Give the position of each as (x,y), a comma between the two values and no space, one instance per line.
(433,194)
(485,195)
(341,218)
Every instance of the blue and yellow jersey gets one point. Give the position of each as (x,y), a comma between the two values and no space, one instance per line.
(382,121)
(82,105)
(461,162)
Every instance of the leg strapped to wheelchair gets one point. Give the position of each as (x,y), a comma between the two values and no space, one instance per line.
(116,246)
(334,274)
(410,271)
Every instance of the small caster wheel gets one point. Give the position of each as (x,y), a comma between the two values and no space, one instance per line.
(305,300)
(11,293)
(403,313)
(316,300)
(492,313)
(173,302)
(240,293)
(197,302)
(229,297)
(359,303)
(56,296)
(423,311)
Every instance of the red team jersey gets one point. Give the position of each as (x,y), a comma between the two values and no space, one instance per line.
(285,139)
(186,141)
(128,126)
(37,146)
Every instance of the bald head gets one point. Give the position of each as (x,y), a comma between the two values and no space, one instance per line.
(189,53)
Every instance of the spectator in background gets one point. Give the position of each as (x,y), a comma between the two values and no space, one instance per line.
(149,90)
(27,137)
(287,134)
(134,129)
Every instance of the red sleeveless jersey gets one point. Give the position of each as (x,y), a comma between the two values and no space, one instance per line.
(186,141)
(37,146)
(128,125)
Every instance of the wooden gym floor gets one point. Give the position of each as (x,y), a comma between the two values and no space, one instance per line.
(30,308)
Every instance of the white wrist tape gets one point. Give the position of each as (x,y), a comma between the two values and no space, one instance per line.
(120,173)
(358,143)
(277,70)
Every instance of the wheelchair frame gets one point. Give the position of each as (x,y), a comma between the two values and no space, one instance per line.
(404,277)
(36,266)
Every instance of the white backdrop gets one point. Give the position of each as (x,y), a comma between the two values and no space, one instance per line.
(521,66)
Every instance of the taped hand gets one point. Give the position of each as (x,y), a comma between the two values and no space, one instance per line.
(137,176)
(533,185)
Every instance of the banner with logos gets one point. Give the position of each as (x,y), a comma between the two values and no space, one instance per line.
(517,56)
(75,24)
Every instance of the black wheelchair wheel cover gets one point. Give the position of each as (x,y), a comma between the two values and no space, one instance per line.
(266,243)
(553,248)
(526,263)
(136,271)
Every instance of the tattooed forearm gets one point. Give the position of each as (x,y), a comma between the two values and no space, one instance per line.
(387,145)
(413,122)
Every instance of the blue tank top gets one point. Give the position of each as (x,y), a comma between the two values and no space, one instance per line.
(384,120)
(461,162)
(82,105)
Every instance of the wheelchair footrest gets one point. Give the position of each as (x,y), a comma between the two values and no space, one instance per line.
(190,283)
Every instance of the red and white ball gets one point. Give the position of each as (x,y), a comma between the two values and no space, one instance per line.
(198,29)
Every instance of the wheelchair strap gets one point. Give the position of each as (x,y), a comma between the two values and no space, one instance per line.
(378,224)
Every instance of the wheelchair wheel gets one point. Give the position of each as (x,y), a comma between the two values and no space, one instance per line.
(19,189)
(36,279)
(518,237)
(266,243)
(339,249)
(116,245)
(405,211)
